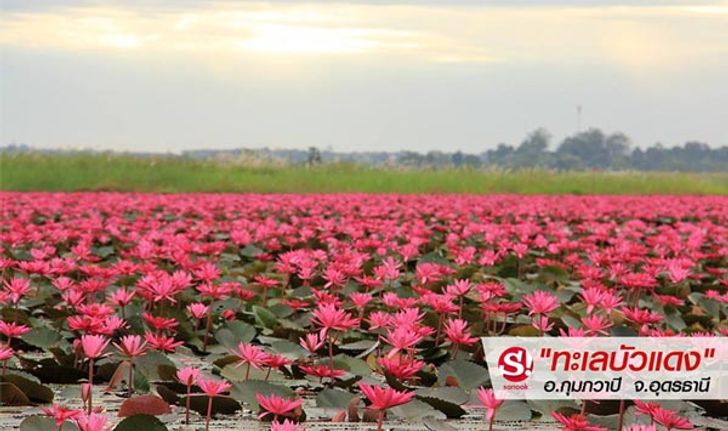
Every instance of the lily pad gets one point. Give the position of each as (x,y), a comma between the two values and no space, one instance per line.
(35,392)
(44,423)
(42,337)
(334,398)
(141,422)
(466,374)
(416,410)
(144,405)
(12,395)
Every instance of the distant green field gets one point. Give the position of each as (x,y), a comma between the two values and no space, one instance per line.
(124,173)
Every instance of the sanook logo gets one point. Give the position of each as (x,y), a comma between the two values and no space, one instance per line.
(515,364)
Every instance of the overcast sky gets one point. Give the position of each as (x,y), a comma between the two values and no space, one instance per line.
(166,75)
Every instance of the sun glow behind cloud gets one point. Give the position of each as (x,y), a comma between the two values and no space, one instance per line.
(631,36)
(357,74)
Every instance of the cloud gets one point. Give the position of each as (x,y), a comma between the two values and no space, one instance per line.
(641,36)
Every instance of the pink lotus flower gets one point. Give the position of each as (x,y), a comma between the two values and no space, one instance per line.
(491,403)
(646,408)
(400,366)
(92,422)
(276,405)
(540,302)
(13,330)
(160,323)
(312,342)
(542,323)
(121,297)
(457,332)
(161,342)
(17,288)
(250,355)
(322,371)
(6,352)
(198,310)
(328,317)
(131,346)
(575,422)
(402,338)
(60,414)
(94,345)
(382,399)
(212,388)
(670,420)
(187,376)
(596,325)
(286,425)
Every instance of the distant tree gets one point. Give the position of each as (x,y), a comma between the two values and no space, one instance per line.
(458,158)
(532,151)
(471,161)
(595,150)
(500,156)
(314,156)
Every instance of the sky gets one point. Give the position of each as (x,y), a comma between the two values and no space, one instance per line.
(172,75)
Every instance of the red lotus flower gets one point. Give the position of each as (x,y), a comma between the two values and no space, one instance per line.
(122,297)
(312,342)
(13,330)
(491,403)
(384,398)
(131,346)
(251,355)
(648,408)
(575,422)
(670,420)
(94,345)
(162,342)
(187,376)
(6,352)
(276,361)
(17,288)
(596,324)
(198,310)
(212,388)
(322,371)
(540,302)
(457,332)
(401,366)
(276,406)
(641,316)
(92,422)
(402,338)
(60,414)
(328,317)
(286,425)
(160,323)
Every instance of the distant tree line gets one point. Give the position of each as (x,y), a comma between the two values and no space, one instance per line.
(589,150)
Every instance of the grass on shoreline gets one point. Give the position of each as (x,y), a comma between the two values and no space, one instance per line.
(36,172)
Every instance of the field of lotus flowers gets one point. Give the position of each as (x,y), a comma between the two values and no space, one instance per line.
(153,312)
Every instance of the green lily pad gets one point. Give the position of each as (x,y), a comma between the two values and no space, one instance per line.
(141,422)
